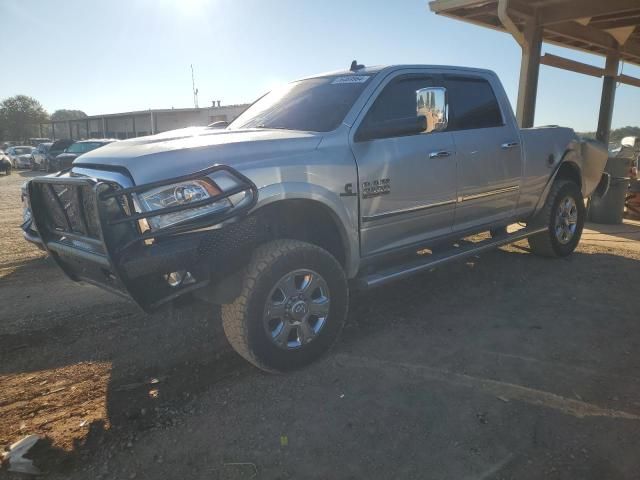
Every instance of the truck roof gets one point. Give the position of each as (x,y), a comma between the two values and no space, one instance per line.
(375,69)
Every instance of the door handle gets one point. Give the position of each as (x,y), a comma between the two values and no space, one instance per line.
(508,145)
(440,154)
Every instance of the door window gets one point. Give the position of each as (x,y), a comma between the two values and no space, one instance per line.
(397,100)
(472,104)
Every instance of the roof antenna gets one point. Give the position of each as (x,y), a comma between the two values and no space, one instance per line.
(355,66)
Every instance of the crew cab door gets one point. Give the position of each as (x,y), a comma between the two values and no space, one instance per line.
(407,180)
(489,152)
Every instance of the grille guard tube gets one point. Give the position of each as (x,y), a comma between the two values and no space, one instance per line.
(84,257)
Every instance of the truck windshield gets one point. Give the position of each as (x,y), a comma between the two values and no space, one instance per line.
(316,104)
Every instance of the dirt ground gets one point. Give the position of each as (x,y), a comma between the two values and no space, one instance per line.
(508,366)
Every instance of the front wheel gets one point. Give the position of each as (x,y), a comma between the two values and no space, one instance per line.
(292,306)
(564,215)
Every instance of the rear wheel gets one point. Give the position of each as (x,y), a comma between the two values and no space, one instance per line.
(564,215)
(292,306)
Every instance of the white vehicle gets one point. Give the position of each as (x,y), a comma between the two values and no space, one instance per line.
(20,156)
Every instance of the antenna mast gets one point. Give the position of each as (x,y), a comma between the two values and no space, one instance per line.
(195,90)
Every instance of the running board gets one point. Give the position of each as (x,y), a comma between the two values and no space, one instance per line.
(399,272)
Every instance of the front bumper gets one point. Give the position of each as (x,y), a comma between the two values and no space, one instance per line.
(23,163)
(92,231)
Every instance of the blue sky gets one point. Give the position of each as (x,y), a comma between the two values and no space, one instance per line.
(122,55)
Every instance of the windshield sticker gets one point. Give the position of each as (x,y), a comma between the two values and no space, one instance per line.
(350,79)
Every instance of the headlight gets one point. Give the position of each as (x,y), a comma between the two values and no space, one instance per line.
(182,193)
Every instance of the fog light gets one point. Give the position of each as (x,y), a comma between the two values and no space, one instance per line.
(181,277)
(174,278)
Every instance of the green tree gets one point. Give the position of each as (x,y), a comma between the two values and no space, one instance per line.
(19,117)
(64,114)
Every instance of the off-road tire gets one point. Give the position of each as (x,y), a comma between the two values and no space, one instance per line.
(546,244)
(242,320)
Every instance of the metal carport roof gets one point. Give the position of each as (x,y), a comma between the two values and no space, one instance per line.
(610,28)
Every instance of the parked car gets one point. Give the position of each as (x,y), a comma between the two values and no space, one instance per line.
(66,158)
(39,156)
(55,149)
(20,156)
(37,141)
(338,181)
(5,163)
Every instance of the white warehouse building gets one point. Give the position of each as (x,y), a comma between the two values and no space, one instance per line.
(138,124)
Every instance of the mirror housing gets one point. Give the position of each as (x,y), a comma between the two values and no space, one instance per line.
(431,102)
(393,128)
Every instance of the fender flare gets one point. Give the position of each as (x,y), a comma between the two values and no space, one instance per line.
(567,158)
(345,220)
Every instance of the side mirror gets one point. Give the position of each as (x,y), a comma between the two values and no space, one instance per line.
(431,103)
(393,128)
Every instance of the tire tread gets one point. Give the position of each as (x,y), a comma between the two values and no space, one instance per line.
(234,314)
(541,243)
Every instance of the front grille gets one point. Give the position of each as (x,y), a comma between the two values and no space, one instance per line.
(71,209)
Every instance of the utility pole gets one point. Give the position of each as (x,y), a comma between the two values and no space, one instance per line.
(195,90)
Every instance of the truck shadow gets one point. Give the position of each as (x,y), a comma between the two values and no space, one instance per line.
(94,377)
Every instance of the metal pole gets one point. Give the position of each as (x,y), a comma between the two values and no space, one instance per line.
(53,130)
(529,73)
(104,127)
(70,131)
(133,122)
(607,99)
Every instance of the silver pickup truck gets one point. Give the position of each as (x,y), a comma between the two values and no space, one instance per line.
(339,181)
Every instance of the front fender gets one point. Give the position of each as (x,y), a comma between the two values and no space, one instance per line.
(343,209)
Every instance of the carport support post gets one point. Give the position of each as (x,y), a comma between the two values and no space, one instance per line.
(608,98)
(529,73)
(104,127)
(153,122)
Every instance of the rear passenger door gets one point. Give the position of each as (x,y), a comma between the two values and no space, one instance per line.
(488,152)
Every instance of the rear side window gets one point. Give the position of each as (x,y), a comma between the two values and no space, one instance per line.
(472,104)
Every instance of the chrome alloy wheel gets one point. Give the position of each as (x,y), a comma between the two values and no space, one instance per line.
(566,220)
(297,309)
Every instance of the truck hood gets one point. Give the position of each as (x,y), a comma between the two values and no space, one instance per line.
(188,150)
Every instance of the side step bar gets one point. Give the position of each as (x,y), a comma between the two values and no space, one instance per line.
(398,272)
